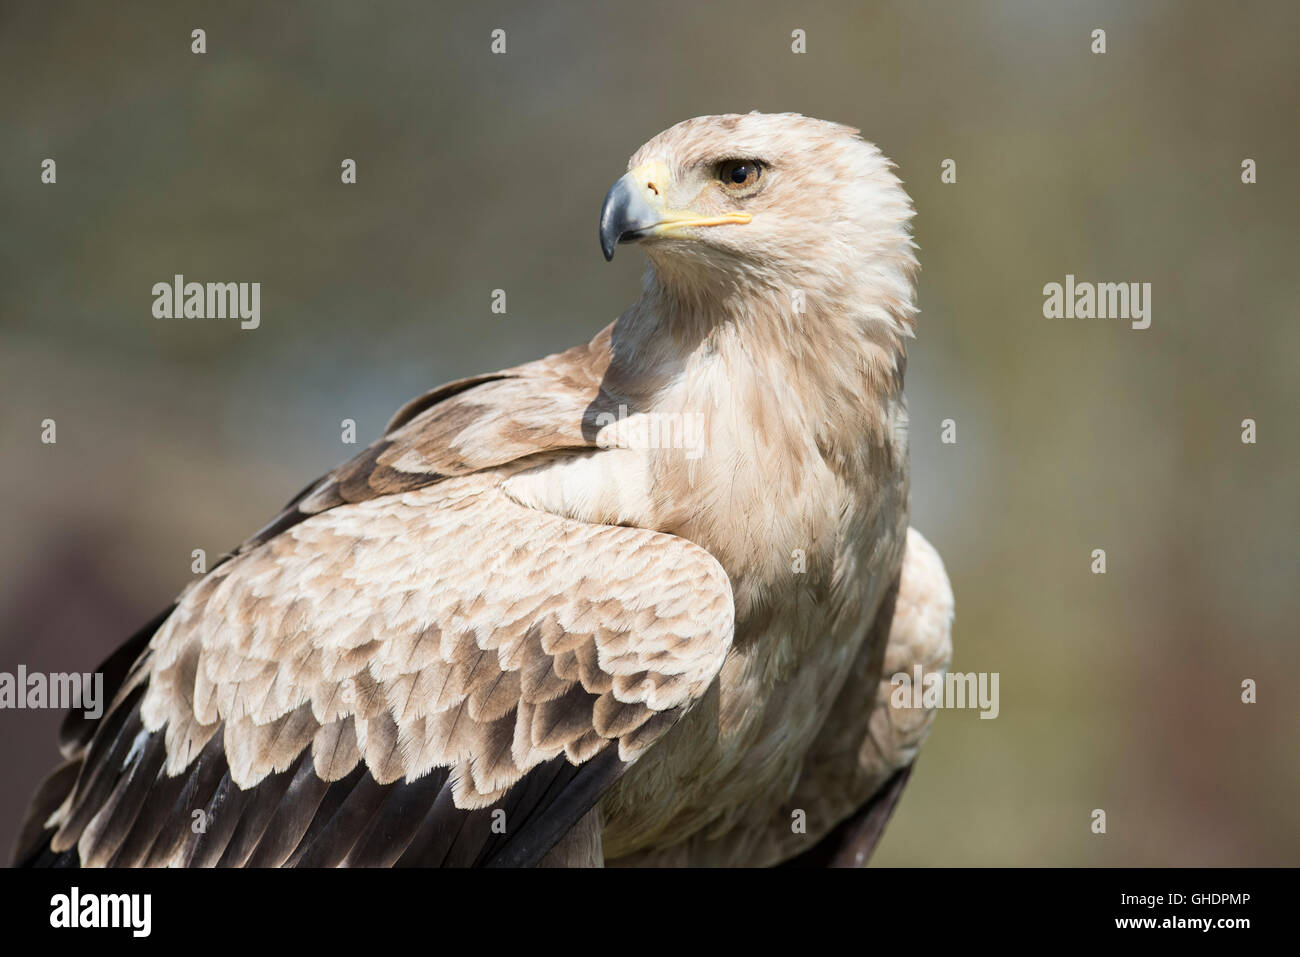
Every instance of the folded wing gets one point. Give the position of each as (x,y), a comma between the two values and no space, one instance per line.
(407,667)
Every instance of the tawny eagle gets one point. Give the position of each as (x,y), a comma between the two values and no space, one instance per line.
(533,625)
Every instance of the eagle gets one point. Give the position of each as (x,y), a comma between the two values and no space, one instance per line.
(532,624)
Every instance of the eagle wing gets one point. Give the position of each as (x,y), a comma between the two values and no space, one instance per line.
(405,667)
(859,765)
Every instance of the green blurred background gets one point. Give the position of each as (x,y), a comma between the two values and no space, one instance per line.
(478,172)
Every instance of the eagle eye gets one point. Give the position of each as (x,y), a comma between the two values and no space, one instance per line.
(738,175)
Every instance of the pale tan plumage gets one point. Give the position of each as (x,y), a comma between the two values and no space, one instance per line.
(509,583)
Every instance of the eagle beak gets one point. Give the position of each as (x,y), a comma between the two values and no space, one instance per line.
(635,209)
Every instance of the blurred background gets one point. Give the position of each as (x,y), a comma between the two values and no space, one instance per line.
(477,172)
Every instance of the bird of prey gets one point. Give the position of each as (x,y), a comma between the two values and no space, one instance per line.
(531,625)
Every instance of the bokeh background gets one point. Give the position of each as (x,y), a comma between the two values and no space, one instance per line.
(478,172)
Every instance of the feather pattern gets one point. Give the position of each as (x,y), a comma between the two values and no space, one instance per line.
(470,668)
(529,625)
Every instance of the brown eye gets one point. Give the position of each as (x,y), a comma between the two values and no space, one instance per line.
(740,174)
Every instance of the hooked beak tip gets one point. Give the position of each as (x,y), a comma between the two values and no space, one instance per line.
(624,211)
(634,209)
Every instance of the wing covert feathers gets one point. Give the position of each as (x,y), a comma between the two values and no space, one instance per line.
(404,654)
(444,651)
